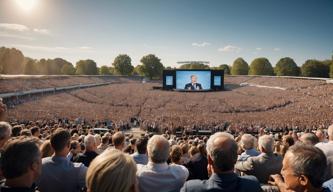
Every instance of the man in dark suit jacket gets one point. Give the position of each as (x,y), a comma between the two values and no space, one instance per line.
(193,85)
(90,153)
(222,156)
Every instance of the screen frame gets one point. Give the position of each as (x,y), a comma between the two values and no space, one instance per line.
(172,72)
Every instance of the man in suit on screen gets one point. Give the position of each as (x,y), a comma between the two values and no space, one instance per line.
(193,85)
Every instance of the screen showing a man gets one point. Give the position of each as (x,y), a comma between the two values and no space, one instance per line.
(194,85)
(193,80)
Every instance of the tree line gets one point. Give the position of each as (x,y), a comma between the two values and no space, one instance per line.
(12,61)
(261,66)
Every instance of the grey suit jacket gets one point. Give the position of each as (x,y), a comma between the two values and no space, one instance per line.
(229,182)
(261,166)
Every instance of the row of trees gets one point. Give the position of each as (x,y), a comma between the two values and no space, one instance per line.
(284,67)
(12,61)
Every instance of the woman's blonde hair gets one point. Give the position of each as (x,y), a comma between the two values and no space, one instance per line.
(112,170)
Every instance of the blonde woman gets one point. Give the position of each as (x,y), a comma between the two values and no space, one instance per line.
(111,171)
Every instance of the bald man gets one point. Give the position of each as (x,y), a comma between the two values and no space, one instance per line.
(157,175)
(222,156)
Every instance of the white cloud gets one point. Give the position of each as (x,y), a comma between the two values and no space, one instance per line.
(52,49)
(229,48)
(258,48)
(42,31)
(14,27)
(276,49)
(203,44)
(85,48)
(8,35)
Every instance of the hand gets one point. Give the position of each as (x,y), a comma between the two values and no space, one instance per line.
(277,180)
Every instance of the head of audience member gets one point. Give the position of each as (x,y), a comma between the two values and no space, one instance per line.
(5,132)
(176,154)
(321,135)
(113,170)
(309,139)
(266,144)
(158,149)
(90,143)
(118,140)
(141,145)
(75,148)
(193,151)
(247,142)
(98,139)
(25,132)
(304,168)
(202,150)
(35,132)
(105,140)
(16,131)
(60,142)
(21,163)
(221,153)
(46,149)
(330,132)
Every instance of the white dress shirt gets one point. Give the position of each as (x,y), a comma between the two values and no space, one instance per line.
(161,177)
(327,148)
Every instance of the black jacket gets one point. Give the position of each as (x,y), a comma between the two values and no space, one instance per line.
(189,86)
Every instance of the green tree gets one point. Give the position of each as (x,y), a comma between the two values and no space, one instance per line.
(68,69)
(11,61)
(123,64)
(105,70)
(286,67)
(29,66)
(315,68)
(226,68)
(240,67)
(151,66)
(261,66)
(138,70)
(86,67)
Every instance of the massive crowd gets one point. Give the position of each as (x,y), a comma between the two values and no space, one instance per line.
(240,107)
(65,156)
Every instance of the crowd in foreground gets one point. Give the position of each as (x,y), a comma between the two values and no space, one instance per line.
(57,158)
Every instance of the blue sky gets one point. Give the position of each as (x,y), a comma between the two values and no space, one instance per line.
(217,31)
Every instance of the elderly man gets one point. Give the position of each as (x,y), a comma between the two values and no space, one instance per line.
(5,133)
(58,172)
(90,153)
(21,165)
(248,144)
(3,109)
(263,165)
(309,139)
(327,148)
(222,156)
(304,169)
(157,175)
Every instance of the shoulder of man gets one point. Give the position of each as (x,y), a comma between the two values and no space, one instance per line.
(195,185)
(250,183)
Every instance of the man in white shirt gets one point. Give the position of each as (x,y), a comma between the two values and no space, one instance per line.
(157,175)
(327,148)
